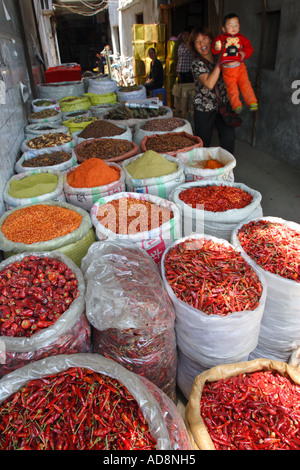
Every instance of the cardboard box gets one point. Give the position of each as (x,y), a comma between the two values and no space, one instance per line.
(183,94)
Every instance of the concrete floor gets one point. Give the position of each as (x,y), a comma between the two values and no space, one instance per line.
(279,185)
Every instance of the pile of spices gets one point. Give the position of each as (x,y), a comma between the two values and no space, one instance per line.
(252,411)
(39,223)
(161,125)
(168,142)
(47,159)
(218,198)
(128,216)
(42,103)
(93,173)
(34,293)
(46,113)
(49,140)
(104,148)
(33,185)
(151,165)
(101,128)
(211,277)
(209,164)
(77,409)
(273,246)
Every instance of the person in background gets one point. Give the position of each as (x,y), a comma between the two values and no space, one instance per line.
(207,74)
(100,62)
(185,60)
(156,76)
(234,48)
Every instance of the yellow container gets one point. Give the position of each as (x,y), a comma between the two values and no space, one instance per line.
(138,33)
(139,68)
(161,50)
(171,66)
(172,49)
(155,32)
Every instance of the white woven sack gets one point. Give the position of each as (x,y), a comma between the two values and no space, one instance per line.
(217,224)
(86,197)
(280,326)
(66,115)
(214,339)
(139,134)
(21,163)
(160,186)
(71,144)
(60,90)
(133,121)
(35,130)
(154,241)
(54,105)
(140,94)
(56,195)
(101,87)
(99,110)
(54,120)
(200,154)
(127,135)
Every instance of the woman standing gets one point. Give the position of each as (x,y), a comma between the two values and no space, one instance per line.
(207,75)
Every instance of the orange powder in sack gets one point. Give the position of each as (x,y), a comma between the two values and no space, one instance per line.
(91,173)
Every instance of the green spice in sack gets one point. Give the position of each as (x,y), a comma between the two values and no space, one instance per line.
(151,165)
(33,185)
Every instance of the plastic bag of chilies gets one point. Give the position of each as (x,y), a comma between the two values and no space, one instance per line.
(130,311)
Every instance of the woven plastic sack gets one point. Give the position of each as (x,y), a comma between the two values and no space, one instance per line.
(20,165)
(49,245)
(35,130)
(217,224)
(214,339)
(133,95)
(280,326)
(70,334)
(197,430)
(131,314)
(144,146)
(123,156)
(74,103)
(139,134)
(101,87)
(161,186)
(86,197)
(100,110)
(154,241)
(52,120)
(199,155)
(54,104)
(78,124)
(56,195)
(71,144)
(73,114)
(97,99)
(60,90)
(164,421)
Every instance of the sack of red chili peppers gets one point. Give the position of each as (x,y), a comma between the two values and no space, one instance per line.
(219,300)
(42,309)
(130,311)
(86,402)
(273,244)
(47,226)
(213,163)
(34,185)
(252,405)
(215,207)
(153,223)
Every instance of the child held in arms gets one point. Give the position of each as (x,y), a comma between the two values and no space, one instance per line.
(234,49)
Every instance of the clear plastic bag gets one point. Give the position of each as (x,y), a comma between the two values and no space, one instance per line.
(130,311)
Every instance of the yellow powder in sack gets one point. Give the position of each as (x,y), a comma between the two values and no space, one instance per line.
(151,165)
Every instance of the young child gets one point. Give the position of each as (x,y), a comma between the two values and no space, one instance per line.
(234,49)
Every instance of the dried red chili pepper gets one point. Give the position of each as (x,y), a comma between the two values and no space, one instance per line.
(216,198)
(68,425)
(34,293)
(211,277)
(273,246)
(252,411)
